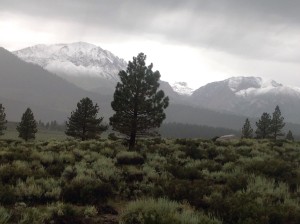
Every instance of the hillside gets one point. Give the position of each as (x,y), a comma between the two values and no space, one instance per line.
(249,96)
(27,85)
(53,98)
(83,64)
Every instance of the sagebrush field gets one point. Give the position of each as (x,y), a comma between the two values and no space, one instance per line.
(164,181)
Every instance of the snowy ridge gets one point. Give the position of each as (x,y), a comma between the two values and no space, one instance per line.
(255,86)
(182,88)
(75,59)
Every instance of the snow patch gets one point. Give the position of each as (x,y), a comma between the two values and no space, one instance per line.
(182,88)
(75,59)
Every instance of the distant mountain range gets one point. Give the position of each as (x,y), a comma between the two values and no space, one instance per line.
(27,85)
(53,78)
(53,98)
(85,65)
(249,96)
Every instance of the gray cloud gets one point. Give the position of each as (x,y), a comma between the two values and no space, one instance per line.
(265,30)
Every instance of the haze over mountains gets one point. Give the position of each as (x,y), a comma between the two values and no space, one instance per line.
(250,96)
(57,76)
(83,64)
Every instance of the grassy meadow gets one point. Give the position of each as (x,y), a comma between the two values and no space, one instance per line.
(43,134)
(164,181)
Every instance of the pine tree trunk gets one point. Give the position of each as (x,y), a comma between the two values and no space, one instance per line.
(132,140)
(83,133)
(133,127)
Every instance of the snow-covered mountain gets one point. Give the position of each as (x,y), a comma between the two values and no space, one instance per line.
(83,64)
(94,69)
(249,96)
(182,88)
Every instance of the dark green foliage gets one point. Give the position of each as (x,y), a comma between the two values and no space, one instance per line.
(92,192)
(68,214)
(277,124)
(3,120)
(245,181)
(178,130)
(263,126)
(289,136)
(7,196)
(83,122)
(112,136)
(11,174)
(55,169)
(28,126)
(247,131)
(129,158)
(138,104)
(185,173)
(162,211)
(192,191)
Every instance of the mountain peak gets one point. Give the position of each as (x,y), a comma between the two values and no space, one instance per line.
(182,88)
(78,59)
(239,83)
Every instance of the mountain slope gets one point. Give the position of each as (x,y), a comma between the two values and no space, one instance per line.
(249,96)
(31,85)
(53,98)
(85,65)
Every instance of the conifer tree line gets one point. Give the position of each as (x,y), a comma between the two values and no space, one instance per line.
(267,127)
(3,120)
(138,104)
(28,126)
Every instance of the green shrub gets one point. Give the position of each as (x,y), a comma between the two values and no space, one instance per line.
(112,136)
(106,170)
(10,173)
(37,190)
(193,192)
(88,192)
(194,152)
(189,173)
(65,214)
(4,215)
(7,195)
(162,211)
(132,174)
(33,216)
(55,169)
(129,158)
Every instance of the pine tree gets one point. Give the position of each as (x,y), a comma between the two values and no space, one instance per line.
(263,126)
(3,120)
(28,126)
(138,104)
(290,136)
(247,131)
(277,123)
(83,122)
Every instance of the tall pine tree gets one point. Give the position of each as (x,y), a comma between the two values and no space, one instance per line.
(277,124)
(3,120)
(28,126)
(263,126)
(138,104)
(247,131)
(83,122)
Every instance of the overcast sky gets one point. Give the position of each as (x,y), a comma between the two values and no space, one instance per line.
(197,41)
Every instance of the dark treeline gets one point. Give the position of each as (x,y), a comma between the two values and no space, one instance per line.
(52,125)
(177,130)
